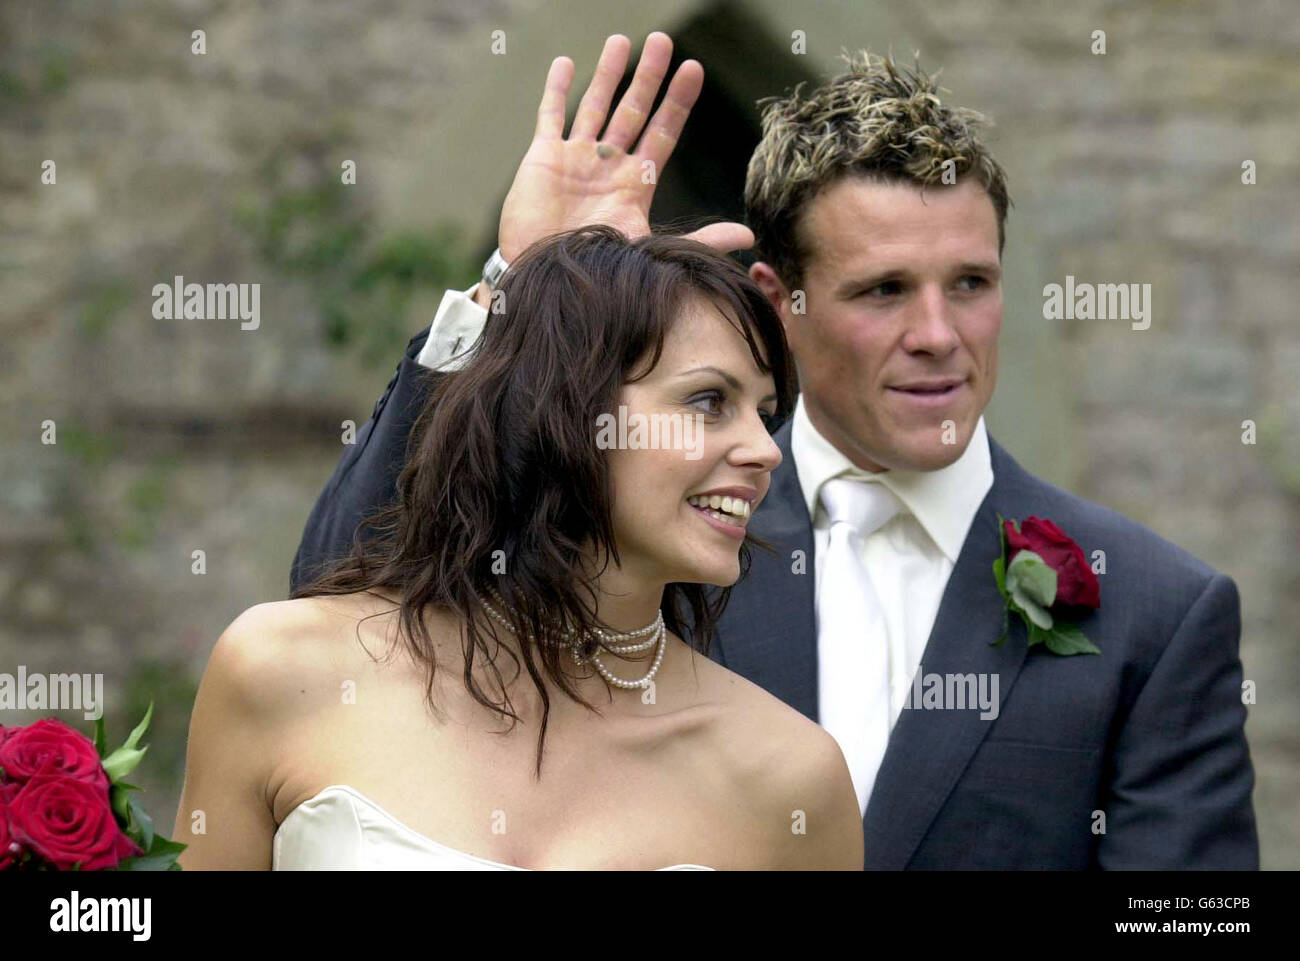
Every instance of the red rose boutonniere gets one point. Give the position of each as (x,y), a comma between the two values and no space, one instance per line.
(1046,580)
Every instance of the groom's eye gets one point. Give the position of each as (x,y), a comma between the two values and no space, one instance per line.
(974,280)
(887,288)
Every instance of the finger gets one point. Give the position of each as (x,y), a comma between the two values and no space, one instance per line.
(724,237)
(550,112)
(632,111)
(660,137)
(594,106)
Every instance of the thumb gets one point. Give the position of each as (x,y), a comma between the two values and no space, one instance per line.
(724,237)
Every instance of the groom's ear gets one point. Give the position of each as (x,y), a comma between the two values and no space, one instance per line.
(770,284)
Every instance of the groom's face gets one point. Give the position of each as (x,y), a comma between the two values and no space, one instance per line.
(897,352)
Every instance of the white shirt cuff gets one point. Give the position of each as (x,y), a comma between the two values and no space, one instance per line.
(455,328)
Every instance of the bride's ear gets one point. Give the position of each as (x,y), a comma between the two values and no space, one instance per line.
(772,287)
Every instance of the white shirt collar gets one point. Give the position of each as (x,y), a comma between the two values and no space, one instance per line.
(943,501)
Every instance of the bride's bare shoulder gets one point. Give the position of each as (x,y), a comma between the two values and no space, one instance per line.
(793,774)
(763,725)
(281,648)
(748,703)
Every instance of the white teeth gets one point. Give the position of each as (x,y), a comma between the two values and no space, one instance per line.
(732,507)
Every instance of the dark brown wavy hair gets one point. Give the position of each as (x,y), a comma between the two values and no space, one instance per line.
(502,461)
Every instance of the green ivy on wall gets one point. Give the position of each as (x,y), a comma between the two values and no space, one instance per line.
(362,279)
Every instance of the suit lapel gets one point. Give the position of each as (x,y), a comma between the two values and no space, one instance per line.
(929,749)
(774,644)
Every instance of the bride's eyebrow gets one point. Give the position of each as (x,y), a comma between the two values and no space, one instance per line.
(735,384)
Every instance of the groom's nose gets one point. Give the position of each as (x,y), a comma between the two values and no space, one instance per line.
(930,323)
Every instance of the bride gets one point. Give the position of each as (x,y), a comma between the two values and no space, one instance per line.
(509,671)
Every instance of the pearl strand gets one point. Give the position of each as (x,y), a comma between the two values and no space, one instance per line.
(660,638)
(653,628)
(644,681)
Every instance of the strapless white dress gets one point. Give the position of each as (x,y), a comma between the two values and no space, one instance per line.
(340,829)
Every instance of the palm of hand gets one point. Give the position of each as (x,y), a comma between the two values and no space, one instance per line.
(563,184)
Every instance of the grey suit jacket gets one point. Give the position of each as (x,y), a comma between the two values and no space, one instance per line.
(1136,758)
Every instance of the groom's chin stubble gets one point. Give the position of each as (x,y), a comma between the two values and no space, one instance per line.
(928,450)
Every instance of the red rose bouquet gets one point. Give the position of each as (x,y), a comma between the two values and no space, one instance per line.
(65,807)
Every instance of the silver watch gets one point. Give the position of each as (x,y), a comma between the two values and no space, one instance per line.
(496,266)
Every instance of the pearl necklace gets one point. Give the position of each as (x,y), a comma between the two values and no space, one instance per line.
(599,638)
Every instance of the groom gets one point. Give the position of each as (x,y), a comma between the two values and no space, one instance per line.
(879,219)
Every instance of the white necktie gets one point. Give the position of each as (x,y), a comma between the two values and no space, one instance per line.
(852,639)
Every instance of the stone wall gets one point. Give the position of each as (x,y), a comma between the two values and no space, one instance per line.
(177,436)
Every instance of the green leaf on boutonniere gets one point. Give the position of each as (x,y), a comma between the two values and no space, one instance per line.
(1006,627)
(1035,616)
(1066,638)
(1032,576)
(1036,634)
(1000,578)
(1032,586)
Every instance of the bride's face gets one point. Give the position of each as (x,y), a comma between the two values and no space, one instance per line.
(710,403)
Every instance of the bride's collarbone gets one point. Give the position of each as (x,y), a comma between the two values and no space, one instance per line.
(464,800)
(679,748)
(656,759)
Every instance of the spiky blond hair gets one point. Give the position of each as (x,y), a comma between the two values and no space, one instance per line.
(877,120)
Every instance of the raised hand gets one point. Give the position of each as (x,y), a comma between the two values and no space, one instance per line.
(566,183)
